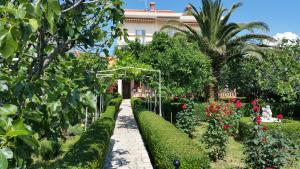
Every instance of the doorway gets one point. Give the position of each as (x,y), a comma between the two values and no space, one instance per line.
(126,89)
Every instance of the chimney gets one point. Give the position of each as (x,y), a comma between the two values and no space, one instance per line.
(152,6)
(189,7)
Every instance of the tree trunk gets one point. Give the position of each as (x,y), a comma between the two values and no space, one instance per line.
(217,76)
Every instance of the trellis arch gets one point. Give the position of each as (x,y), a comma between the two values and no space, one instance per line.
(121,72)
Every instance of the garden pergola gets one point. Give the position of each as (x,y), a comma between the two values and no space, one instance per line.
(121,72)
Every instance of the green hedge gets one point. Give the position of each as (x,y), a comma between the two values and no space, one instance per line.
(166,143)
(290,128)
(91,149)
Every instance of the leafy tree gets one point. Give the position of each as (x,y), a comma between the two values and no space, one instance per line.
(184,69)
(275,78)
(220,39)
(43,86)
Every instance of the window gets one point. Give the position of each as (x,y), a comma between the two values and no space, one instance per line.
(140,35)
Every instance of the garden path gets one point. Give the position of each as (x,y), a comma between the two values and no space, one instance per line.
(127,150)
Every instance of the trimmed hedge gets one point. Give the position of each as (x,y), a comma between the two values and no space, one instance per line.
(290,128)
(166,143)
(91,149)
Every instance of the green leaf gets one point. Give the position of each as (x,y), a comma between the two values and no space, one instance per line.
(8,45)
(34,24)
(8,109)
(20,12)
(3,161)
(29,140)
(50,19)
(7,153)
(15,133)
(3,123)
(54,6)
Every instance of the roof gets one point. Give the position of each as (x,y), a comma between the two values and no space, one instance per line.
(142,15)
(144,10)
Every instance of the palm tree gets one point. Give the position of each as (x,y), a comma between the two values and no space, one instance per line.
(220,39)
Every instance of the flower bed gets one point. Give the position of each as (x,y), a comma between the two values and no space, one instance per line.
(290,128)
(166,143)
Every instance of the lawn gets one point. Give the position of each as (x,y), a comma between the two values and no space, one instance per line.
(234,157)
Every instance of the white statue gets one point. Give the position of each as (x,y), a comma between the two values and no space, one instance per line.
(266,112)
(267,115)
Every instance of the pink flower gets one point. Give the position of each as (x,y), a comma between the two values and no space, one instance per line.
(238,104)
(258,119)
(256,108)
(280,116)
(269,168)
(184,106)
(226,127)
(254,102)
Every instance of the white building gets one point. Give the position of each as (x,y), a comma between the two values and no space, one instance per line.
(142,24)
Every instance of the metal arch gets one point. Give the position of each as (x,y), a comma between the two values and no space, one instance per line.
(103,74)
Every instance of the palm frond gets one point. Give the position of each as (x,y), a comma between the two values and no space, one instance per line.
(254,25)
(227,16)
(249,37)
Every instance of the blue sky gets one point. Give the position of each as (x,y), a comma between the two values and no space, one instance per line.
(280,15)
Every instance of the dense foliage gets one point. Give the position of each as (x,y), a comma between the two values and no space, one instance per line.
(166,143)
(274,78)
(43,87)
(184,68)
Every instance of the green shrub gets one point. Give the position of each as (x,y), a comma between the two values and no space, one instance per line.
(75,130)
(268,149)
(49,149)
(166,143)
(186,119)
(115,102)
(290,128)
(89,152)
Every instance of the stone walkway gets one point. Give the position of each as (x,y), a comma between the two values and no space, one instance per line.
(127,150)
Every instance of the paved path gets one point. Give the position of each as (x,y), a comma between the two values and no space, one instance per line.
(127,150)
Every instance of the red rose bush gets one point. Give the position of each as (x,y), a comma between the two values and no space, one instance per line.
(222,122)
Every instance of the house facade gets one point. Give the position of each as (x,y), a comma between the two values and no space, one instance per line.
(141,24)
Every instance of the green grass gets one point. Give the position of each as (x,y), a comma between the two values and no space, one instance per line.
(234,157)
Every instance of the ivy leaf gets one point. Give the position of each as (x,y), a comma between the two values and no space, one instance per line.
(8,45)
(33,24)
(3,161)
(8,109)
